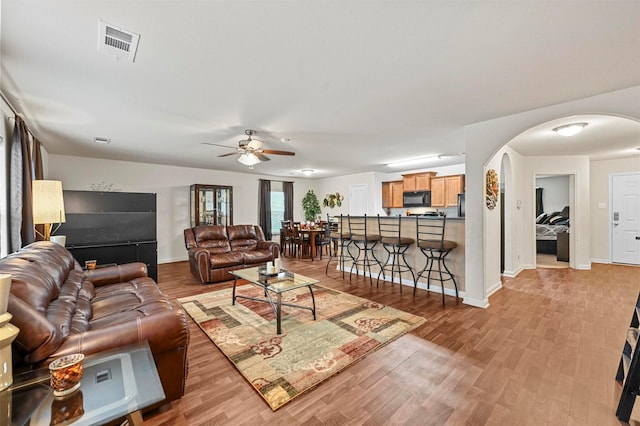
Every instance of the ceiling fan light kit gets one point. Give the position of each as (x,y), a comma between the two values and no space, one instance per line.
(251,150)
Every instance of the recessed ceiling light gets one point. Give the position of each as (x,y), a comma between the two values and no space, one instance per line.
(285,140)
(307,172)
(570,129)
(103,141)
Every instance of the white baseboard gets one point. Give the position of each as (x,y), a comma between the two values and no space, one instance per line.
(407,282)
(478,303)
(495,287)
(178,259)
(586,267)
(513,274)
(600,261)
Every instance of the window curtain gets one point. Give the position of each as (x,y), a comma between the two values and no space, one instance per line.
(264,208)
(38,174)
(539,206)
(19,202)
(287,188)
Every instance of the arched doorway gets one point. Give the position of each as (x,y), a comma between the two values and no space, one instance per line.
(485,143)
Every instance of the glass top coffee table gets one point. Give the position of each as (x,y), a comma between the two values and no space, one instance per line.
(115,383)
(275,284)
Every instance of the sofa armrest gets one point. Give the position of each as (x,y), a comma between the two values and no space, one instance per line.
(116,274)
(270,245)
(199,261)
(165,331)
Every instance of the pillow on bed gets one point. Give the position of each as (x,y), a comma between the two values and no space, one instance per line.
(541,217)
(563,221)
(549,217)
(555,219)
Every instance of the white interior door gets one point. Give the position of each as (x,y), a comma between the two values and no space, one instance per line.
(625,219)
(358,200)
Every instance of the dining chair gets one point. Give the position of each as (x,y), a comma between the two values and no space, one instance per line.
(323,240)
(301,242)
(286,243)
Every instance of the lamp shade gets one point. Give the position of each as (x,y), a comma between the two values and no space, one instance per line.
(48,204)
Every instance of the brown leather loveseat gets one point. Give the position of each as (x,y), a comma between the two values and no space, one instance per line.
(61,309)
(214,250)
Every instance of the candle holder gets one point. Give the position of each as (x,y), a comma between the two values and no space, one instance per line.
(66,373)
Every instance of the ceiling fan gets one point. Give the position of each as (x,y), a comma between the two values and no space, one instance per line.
(251,150)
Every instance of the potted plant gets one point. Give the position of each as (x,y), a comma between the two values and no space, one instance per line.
(311,205)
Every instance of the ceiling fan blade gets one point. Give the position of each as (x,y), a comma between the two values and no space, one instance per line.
(217,144)
(228,154)
(261,157)
(277,152)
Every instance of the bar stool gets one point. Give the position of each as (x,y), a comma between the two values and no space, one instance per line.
(430,240)
(364,241)
(396,246)
(340,240)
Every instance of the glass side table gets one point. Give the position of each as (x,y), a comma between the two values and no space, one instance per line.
(115,383)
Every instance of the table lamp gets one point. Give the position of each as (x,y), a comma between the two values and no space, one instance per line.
(48,205)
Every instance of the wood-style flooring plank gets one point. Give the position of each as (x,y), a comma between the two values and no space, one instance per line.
(545,352)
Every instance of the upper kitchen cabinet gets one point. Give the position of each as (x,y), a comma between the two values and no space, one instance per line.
(417,181)
(445,190)
(392,194)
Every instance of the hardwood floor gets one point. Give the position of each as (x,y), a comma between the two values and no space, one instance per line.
(544,353)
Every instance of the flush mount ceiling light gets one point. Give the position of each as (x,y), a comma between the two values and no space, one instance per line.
(570,129)
(307,172)
(414,161)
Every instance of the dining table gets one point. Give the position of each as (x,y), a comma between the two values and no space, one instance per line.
(312,232)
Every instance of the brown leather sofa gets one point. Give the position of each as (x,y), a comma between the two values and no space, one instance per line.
(61,309)
(215,250)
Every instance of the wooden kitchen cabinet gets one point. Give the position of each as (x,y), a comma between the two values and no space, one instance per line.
(417,181)
(392,194)
(453,185)
(445,190)
(438,192)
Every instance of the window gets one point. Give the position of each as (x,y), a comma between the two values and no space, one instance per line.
(277,207)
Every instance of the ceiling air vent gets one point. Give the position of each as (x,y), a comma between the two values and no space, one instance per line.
(117,43)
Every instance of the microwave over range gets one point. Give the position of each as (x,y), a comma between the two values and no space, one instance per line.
(416,199)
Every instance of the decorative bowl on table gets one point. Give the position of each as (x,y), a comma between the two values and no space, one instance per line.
(66,373)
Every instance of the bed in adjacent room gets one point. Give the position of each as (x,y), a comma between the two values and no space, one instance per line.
(548,226)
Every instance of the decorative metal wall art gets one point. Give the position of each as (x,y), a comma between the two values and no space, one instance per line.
(491,189)
(332,200)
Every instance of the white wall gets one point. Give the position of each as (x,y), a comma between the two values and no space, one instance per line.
(482,142)
(171,184)
(600,224)
(555,195)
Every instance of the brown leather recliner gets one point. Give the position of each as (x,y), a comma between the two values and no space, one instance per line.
(61,309)
(215,250)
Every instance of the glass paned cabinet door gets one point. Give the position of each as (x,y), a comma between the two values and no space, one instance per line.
(211,205)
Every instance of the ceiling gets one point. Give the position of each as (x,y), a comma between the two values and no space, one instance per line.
(347,85)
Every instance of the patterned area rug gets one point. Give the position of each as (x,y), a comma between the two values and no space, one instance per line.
(281,367)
